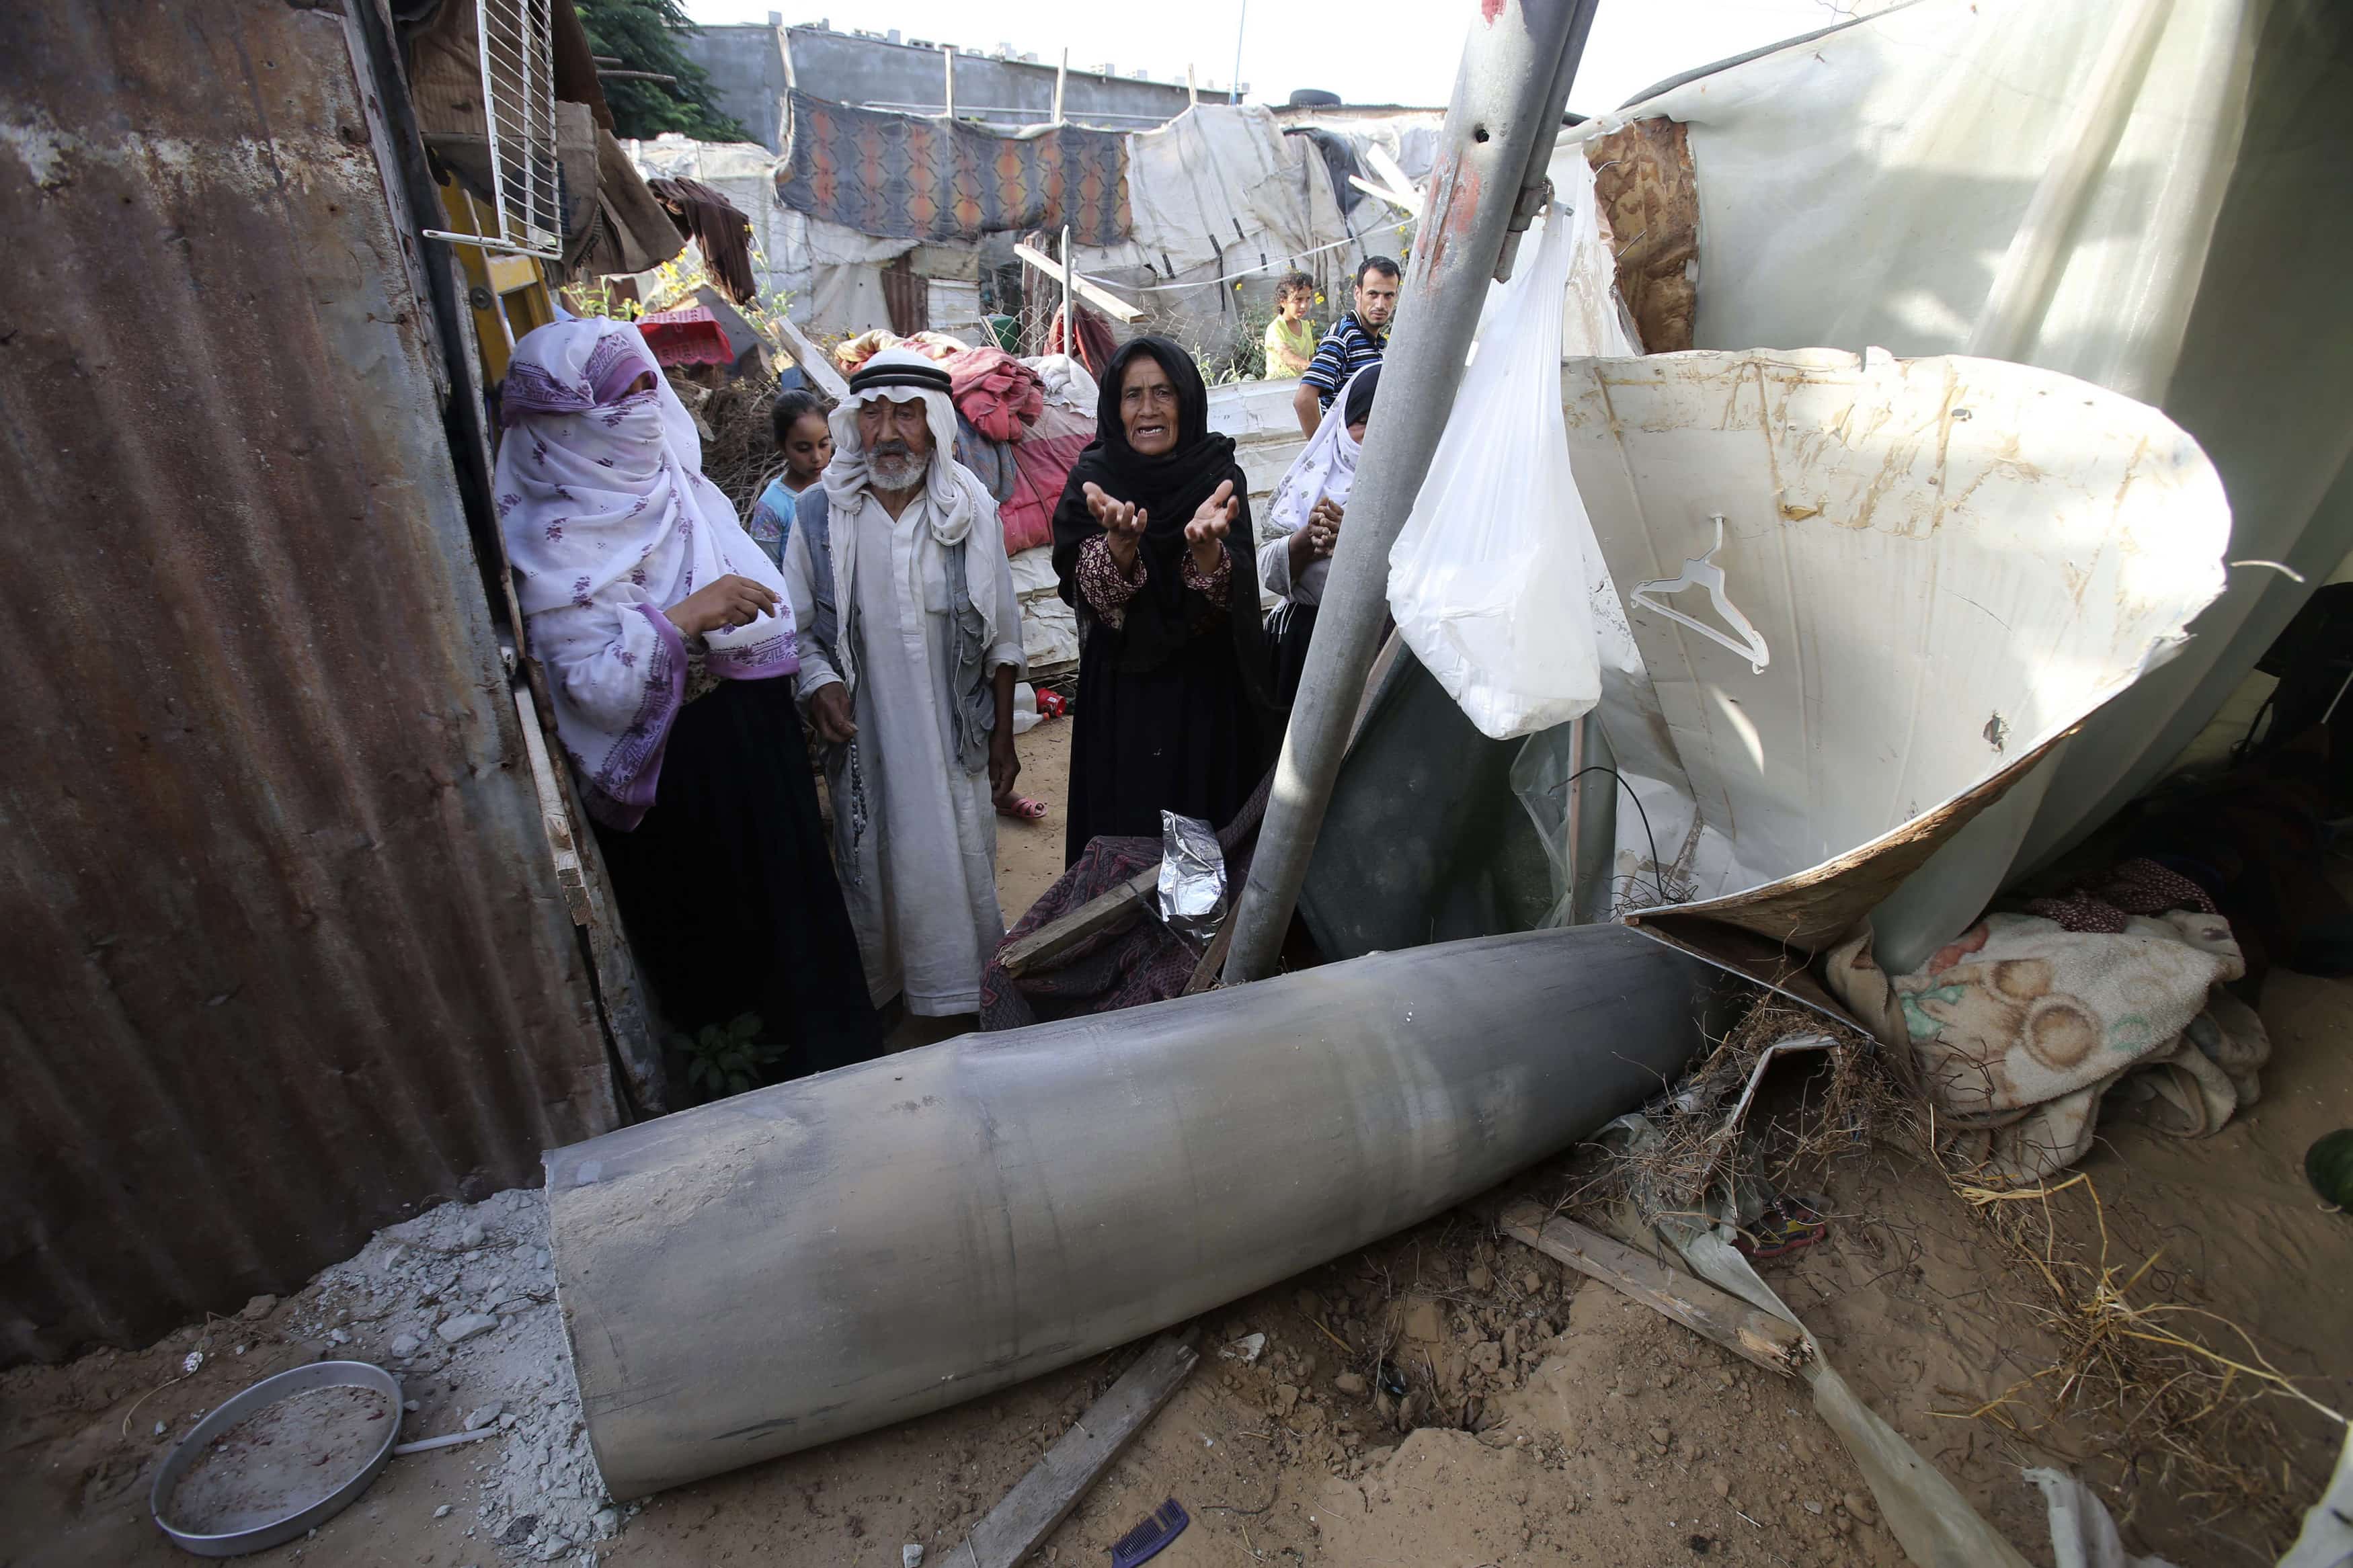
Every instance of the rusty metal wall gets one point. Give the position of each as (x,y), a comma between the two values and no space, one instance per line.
(282,955)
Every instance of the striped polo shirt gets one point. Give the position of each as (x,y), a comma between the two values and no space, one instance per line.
(1346,349)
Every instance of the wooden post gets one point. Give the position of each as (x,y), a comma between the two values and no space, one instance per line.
(947,52)
(1061,79)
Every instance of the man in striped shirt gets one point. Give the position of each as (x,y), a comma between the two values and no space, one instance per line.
(1356,341)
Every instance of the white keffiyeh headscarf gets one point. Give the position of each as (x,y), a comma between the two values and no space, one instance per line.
(954,493)
(608,522)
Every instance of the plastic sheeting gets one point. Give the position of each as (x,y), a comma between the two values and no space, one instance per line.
(1221,195)
(1050,628)
(2154,196)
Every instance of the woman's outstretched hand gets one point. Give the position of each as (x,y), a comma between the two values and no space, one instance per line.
(1122,525)
(1206,534)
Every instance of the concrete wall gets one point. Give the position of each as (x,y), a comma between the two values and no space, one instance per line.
(747,74)
(747,71)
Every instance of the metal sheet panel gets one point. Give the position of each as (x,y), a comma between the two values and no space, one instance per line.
(284,953)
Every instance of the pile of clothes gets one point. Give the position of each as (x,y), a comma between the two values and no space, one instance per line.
(2025,1027)
(1021,423)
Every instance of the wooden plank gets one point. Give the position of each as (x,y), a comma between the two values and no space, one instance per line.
(1392,172)
(1398,199)
(1754,1336)
(1020,1524)
(555,816)
(815,363)
(1104,911)
(1101,299)
(1213,957)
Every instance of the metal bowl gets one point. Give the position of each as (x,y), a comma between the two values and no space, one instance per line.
(238,1407)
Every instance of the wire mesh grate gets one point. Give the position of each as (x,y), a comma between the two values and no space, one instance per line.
(516,39)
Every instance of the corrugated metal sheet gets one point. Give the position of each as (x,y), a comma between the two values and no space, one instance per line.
(284,955)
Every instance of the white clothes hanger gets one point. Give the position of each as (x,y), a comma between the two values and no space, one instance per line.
(1703,573)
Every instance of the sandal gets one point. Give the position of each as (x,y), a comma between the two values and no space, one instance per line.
(1023,808)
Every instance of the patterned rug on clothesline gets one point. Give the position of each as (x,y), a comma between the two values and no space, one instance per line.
(906,177)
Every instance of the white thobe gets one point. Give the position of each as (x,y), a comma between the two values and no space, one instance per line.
(923,894)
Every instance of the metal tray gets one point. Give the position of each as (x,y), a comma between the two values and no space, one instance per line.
(235,1409)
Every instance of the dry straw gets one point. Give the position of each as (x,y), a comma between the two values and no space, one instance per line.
(2183,1396)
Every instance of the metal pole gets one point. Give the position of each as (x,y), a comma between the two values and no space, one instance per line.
(1061,80)
(948,53)
(1069,321)
(1500,129)
(1234,88)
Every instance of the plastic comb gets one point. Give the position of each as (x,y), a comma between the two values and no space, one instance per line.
(1146,1539)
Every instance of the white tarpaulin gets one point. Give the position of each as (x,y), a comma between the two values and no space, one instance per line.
(1220,195)
(2155,196)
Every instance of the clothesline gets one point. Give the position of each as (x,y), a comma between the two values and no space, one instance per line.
(1229,276)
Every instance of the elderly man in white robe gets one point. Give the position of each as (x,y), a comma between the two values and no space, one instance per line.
(910,641)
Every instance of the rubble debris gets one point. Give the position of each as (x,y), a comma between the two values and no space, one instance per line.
(462,1300)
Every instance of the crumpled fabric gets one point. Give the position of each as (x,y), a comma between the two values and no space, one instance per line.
(997,393)
(2021,1031)
(1042,460)
(1095,344)
(719,229)
(991,462)
(852,354)
(2137,887)
(1066,383)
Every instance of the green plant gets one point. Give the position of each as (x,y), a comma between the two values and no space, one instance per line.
(643,35)
(727,1059)
(598,298)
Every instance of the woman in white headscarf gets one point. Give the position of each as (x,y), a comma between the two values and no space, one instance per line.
(669,647)
(1302,525)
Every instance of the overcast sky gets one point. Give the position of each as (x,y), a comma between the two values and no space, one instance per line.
(1371,52)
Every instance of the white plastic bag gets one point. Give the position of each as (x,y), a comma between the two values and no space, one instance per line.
(1487,580)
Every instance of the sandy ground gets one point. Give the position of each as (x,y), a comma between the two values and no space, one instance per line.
(1030,854)
(1549,1420)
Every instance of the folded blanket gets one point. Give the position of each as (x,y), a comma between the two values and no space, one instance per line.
(2020,1027)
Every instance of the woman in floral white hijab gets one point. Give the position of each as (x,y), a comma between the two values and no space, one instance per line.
(664,631)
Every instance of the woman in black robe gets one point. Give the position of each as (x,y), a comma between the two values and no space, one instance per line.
(1154,547)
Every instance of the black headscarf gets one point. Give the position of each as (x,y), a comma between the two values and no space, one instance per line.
(1170,489)
(1362,386)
